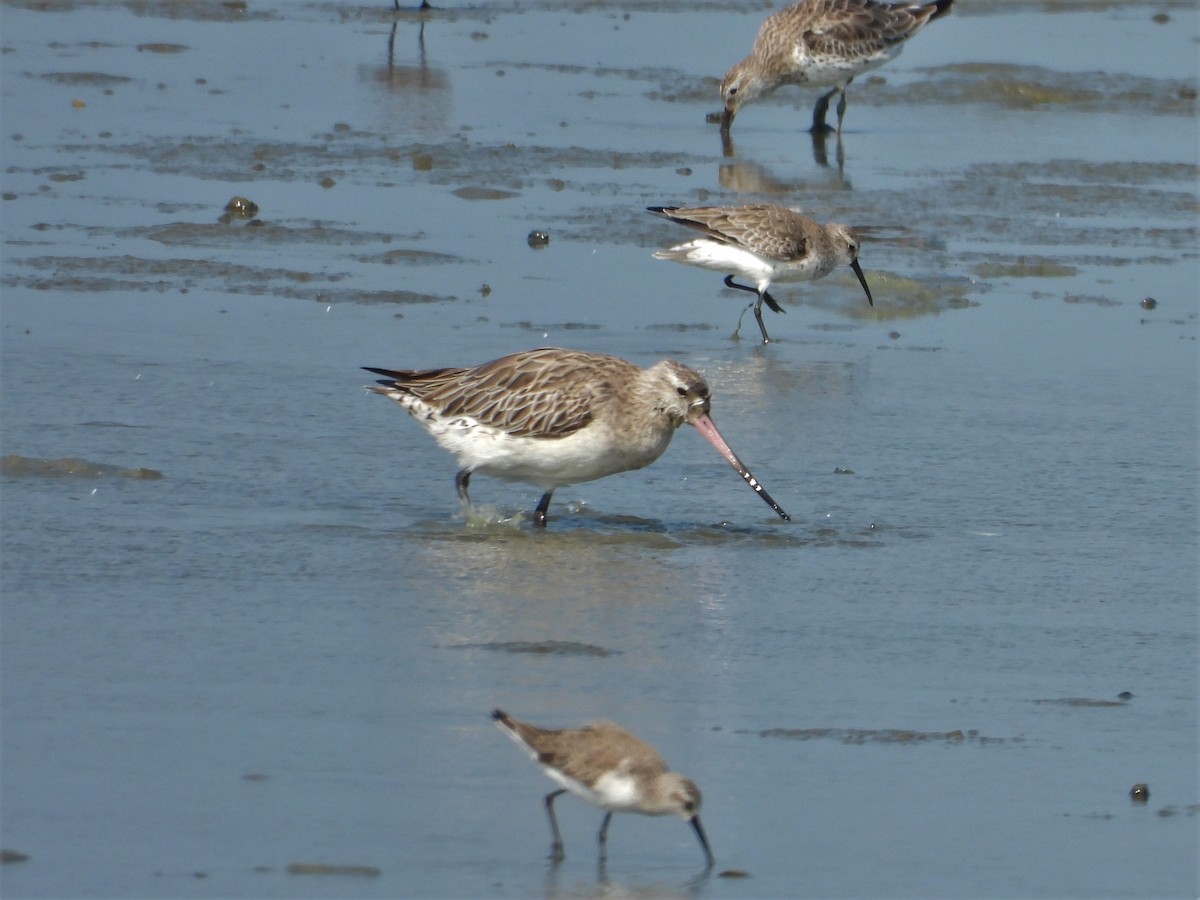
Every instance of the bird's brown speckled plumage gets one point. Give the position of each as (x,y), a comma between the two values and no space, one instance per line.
(552,417)
(610,767)
(764,242)
(767,229)
(823,43)
(535,393)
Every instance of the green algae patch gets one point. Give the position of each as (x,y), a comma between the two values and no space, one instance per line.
(69,467)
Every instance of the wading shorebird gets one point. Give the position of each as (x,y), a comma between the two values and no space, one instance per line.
(823,43)
(765,243)
(553,417)
(610,768)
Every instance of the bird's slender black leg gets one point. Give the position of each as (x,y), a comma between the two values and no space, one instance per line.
(604,835)
(556,849)
(822,107)
(841,111)
(461,481)
(765,295)
(539,514)
(758,315)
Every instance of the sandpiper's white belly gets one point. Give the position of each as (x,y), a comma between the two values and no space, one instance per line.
(614,790)
(722,257)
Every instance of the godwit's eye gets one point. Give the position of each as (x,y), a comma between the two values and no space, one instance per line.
(681,391)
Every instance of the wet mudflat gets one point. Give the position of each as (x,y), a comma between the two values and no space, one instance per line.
(268,671)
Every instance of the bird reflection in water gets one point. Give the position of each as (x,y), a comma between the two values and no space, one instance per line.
(820,148)
(421,91)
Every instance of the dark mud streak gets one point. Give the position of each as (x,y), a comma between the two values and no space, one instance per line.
(540,648)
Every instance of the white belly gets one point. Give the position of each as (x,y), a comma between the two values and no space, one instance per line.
(586,455)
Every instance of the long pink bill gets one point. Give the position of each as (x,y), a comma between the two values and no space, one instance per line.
(706,427)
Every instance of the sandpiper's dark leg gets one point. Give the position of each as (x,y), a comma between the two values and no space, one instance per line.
(729,282)
(539,514)
(556,849)
(765,295)
(758,315)
(841,110)
(822,107)
(604,835)
(461,481)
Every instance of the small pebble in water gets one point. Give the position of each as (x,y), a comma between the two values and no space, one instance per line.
(1140,792)
(538,239)
(733,873)
(1149,303)
(1125,695)
(241,208)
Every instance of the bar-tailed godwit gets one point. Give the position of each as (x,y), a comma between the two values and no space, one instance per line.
(553,417)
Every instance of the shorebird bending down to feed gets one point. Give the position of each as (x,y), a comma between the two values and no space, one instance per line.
(606,765)
(552,417)
(764,243)
(823,43)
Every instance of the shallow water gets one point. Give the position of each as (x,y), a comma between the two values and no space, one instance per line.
(283,651)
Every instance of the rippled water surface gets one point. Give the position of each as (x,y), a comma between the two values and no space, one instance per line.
(250,641)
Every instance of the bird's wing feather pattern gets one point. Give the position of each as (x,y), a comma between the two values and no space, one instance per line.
(577,753)
(536,393)
(852,28)
(764,228)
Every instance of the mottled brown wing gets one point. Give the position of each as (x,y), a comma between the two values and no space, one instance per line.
(764,228)
(852,28)
(546,393)
(588,752)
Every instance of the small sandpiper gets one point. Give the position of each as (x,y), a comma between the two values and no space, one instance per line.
(552,417)
(609,767)
(765,243)
(823,43)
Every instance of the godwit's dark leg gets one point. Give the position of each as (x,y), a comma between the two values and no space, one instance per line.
(604,835)
(841,109)
(556,849)
(822,107)
(539,514)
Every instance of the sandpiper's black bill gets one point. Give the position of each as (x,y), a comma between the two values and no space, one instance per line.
(708,856)
(862,279)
